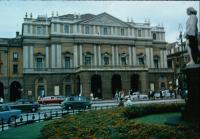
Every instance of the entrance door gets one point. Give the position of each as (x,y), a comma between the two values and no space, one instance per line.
(1,91)
(116,84)
(96,86)
(135,82)
(15,91)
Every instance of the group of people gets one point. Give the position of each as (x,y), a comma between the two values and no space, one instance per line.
(119,95)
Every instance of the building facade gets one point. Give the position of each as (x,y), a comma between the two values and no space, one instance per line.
(11,69)
(99,54)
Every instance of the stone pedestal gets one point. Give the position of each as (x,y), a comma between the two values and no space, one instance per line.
(192,108)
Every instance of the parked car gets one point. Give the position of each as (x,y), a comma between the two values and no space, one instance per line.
(76,102)
(25,105)
(157,95)
(51,99)
(7,114)
(137,95)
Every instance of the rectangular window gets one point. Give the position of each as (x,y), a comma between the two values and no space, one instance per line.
(29,29)
(15,69)
(141,61)
(156,63)
(87,60)
(39,30)
(105,31)
(169,63)
(67,62)
(139,33)
(123,60)
(55,27)
(39,63)
(15,56)
(122,32)
(106,60)
(154,36)
(66,28)
(87,30)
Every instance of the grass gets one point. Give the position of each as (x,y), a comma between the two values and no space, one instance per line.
(157,118)
(31,131)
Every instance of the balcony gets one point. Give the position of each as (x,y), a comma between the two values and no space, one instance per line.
(48,70)
(111,68)
(161,70)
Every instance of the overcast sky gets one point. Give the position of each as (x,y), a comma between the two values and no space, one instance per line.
(168,13)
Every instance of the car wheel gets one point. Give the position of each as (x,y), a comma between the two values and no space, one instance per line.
(33,109)
(69,108)
(12,120)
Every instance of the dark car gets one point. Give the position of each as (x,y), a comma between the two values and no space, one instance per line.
(76,102)
(26,105)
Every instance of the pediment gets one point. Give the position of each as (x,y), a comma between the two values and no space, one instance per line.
(105,19)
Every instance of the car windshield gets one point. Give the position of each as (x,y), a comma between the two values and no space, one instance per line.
(4,108)
(76,98)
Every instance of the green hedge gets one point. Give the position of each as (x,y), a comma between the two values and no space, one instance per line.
(142,110)
(112,124)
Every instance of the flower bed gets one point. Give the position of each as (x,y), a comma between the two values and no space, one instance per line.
(113,124)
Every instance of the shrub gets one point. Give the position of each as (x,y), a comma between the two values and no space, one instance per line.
(142,110)
(113,124)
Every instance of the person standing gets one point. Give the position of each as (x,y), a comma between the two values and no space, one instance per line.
(191,36)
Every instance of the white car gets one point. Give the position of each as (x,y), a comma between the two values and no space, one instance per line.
(157,95)
(137,96)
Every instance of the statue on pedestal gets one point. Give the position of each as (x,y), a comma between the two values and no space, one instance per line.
(191,37)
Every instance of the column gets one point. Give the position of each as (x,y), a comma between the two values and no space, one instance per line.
(165,58)
(117,56)
(99,55)
(81,55)
(130,55)
(31,57)
(113,56)
(58,54)
(161,59)
(151,58)
(75,56)
(147,51)
(134,56)
(47,56)
(95,55)
(25,57)
(53,56)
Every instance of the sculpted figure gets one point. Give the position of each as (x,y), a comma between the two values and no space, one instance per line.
(191,36)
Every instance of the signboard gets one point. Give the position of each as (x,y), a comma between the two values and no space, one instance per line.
(29,93)
(56,90)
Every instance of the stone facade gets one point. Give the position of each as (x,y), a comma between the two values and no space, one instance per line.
(99,54)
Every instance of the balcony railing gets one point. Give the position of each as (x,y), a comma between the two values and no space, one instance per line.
(97,68)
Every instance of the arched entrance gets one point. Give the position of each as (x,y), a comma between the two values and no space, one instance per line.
(116,84)
(135,82)
(67,83)
(96,86)
(40,87)
(1,90)
(15,91)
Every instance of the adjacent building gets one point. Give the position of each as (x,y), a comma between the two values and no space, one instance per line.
(82,54)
